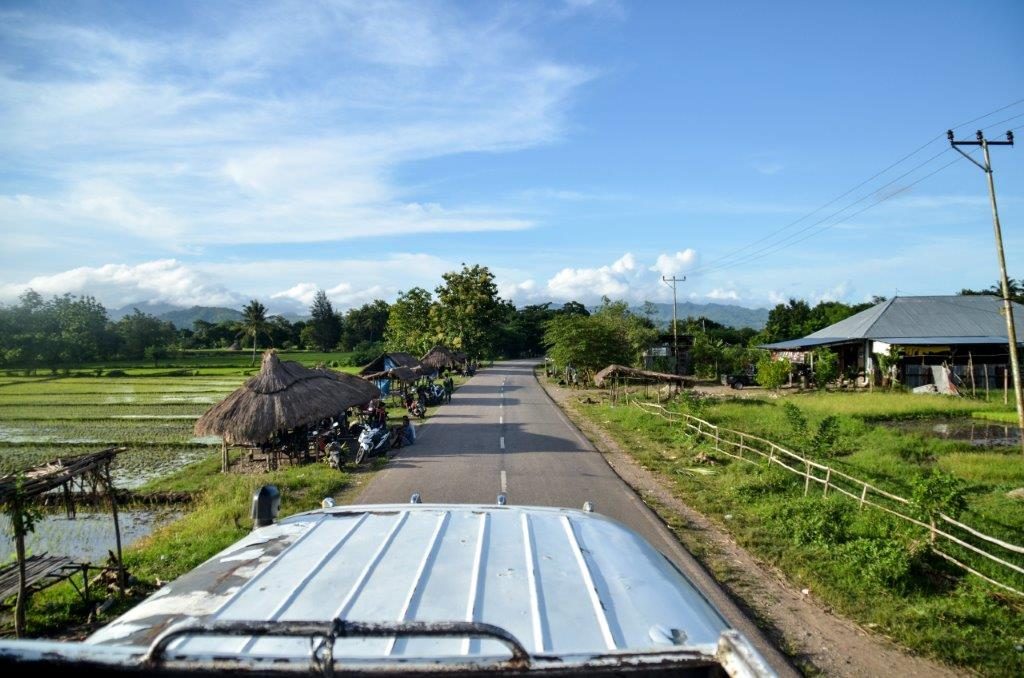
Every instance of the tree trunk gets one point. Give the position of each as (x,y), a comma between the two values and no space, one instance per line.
(253,361)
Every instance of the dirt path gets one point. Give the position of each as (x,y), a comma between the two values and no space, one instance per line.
(817,640)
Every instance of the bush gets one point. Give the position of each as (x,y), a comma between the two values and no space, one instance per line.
(772,373)
(937,493)
(826,366)
(117,373)
(883,562)
(818,521)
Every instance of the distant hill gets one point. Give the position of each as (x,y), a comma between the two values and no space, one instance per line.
(726,314)
(181,317)
(184,317)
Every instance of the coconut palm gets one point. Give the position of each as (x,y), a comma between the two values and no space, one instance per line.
(253,323)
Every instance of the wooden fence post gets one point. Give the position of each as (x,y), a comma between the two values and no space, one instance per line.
(828,476)
(863,494)
(807,478)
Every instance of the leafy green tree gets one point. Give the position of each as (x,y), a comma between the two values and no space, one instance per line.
(139,331)
(826,366)
(1015,286)
(409,327)
(772,373)
(468,310)
(325,323)
(585,342)
(365,324)
(573,308)
(253,323)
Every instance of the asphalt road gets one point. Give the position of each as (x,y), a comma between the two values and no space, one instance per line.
(502,433)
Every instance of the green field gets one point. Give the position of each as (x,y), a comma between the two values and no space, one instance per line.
(870,566)
(143,408)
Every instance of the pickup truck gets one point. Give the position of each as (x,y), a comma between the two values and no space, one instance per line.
(416,589)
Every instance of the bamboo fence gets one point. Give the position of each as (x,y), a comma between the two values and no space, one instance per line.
(756,450)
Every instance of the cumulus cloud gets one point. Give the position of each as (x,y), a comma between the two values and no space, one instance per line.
(670,265)
(592,283)
(165,280)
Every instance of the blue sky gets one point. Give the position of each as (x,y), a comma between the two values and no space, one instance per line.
(206,153)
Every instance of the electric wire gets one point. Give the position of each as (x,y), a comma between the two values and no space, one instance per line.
(711,265)
(785,242)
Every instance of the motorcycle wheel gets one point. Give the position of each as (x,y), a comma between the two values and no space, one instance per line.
(359,456)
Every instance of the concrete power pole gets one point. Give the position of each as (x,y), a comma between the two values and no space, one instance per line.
(1011,331)
(675,333)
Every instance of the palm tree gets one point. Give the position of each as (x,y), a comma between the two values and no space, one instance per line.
(254,322)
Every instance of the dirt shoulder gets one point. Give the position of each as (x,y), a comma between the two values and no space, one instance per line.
(817,640)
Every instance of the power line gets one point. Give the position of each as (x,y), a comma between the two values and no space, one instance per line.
(785,242)
(729,255)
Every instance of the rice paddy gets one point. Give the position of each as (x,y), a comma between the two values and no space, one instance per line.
(46,418)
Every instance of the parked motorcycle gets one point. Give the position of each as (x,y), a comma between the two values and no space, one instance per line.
(373,442)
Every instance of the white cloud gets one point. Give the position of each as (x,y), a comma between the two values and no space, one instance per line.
(719,294)
(165,280)
(613,281)
(670,265)
(301,292)
(273,126)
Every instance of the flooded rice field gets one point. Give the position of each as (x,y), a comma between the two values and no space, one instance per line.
(87,537)
(153,417)
(976,432)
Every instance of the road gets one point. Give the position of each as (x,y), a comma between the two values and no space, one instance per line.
(502,433)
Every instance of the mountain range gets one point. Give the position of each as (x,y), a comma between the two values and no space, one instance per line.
(726,314)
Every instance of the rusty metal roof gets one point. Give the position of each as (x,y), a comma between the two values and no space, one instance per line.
(562,582)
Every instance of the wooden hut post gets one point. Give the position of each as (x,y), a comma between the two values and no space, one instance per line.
(970,366)
(18,522)
(985,367)
(117,525)
(223,456)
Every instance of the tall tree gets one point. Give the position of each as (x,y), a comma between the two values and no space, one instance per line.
(365,325)
(325,323)
(253,323)
(468,310)
(408,326)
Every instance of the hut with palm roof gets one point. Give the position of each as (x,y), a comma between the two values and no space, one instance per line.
(389,369)
(438,359)
(283,396)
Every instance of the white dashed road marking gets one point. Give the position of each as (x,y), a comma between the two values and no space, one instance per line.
(504,482)
(502,442)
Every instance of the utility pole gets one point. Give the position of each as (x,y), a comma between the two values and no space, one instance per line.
(675,333)
(1011,331)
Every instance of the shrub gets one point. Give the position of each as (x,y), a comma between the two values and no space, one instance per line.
(824,441)
(826,366)
(818,521)
(883,562)
(937,493)
(117,373)
(772,373)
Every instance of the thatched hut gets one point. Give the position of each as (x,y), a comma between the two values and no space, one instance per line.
(389,361)
(284,395)
(439,358)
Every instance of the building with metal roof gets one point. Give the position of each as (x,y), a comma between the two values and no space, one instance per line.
(968,333)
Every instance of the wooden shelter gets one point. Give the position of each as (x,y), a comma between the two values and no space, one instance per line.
(283,396)
(439,358)
(624,373)
(74,476)
(388,361)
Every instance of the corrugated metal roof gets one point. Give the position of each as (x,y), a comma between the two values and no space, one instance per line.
(909,317)
(561,581)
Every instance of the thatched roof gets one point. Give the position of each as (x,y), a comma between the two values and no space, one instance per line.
(439,358)
(613,371)
(282,396)
(398,358)
(396,373)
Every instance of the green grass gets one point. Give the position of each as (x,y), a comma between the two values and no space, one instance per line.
(219,517)
(869,566)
